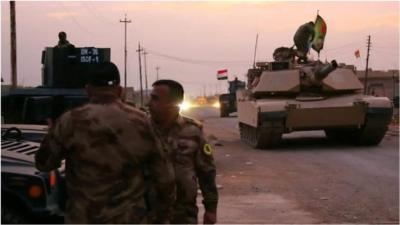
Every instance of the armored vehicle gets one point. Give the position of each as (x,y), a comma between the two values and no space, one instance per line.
(228,101)
(282,97)
(28,195)
(64,75)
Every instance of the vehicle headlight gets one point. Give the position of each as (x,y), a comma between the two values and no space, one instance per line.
(216,105)
(185,106)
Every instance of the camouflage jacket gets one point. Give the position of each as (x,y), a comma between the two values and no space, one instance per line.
(193,162)
(105,145)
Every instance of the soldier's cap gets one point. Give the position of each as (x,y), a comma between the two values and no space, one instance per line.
(105,74)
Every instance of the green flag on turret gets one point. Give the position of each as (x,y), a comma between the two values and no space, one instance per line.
(320,32)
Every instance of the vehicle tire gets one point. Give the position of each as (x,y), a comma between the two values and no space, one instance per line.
(12,216)
(223,112)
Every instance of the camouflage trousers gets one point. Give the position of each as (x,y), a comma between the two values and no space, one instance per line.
(184,214)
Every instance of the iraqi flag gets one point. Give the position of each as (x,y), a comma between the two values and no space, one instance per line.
(357,53)
(222,74)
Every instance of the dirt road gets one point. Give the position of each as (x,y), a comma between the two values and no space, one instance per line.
(306,180)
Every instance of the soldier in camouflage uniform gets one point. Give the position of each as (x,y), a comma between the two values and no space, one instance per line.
(106,145)
(185,145)
(303,39)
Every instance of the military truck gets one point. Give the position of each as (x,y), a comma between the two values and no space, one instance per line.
(28,195)
(283,97)
(228,101)
(64,74)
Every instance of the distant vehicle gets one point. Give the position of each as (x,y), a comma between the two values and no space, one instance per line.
(227,101)
(28,195)
(284,97)
(201,101)
(396,101)
(64,75)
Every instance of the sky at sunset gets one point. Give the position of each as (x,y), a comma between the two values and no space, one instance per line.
(190,41)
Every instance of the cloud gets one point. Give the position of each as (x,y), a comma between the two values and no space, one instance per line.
(61,15)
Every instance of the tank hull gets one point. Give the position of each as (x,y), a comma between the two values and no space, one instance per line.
(357,115)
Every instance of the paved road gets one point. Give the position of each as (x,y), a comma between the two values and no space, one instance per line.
(306,180)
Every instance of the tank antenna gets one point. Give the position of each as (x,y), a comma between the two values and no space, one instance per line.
(255,52)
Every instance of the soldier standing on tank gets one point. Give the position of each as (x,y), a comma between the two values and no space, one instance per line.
(186,148)
(63,42)
(106,145)
(303,39)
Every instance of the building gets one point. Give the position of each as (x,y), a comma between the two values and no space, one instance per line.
(381,83)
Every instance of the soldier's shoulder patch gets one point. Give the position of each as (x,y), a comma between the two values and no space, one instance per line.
(207,149)
(193,122)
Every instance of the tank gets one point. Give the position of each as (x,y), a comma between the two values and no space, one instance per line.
(283,97)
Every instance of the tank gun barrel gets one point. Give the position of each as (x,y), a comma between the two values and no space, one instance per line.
(324,71)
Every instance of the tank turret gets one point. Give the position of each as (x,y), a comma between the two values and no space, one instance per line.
(324,71)
(313,75)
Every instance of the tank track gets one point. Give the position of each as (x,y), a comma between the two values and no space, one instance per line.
(262,137)
(371,133)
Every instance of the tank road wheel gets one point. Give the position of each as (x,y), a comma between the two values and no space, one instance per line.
(261,137)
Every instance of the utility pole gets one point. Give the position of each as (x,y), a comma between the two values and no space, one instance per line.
(157,68)
(140,74)
(366,67)
(145,71)
(125,21)
(394,84)
(13,46)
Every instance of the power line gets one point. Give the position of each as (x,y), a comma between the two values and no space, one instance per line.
(378,51)
(342,46)
(383,47)
(93,11)
(195,61)
(74,20)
